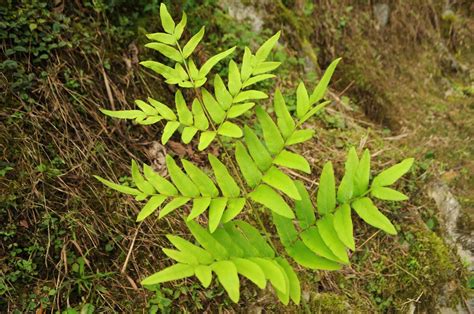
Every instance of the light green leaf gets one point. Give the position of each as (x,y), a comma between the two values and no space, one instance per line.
(285,229)
(209,64)
(183,75)
(175,79)
(227,274)
(387,194)
(241,240)
(271,134)
(225,181)
(234,81)
(362,175)
(280,181)
(159,68)
(202,181)
(193,71)
(251,271)
(180,257)
(272,272)
(226,240)
(265,67)
(172,205)
(154,202)
(326,200)
(166,50)
(230,129)
(254,237)
(118,187)
(150,120)
(168,131)
(247,67)
(215,111)
(204,274)
(307,258)
(199,206)
(304,208)
(284,119)
(166,19)
(234,207)
(204,238)
(247,166)
(222,94)
(198,83)
(177,271)
(294,288)
(346,187)
(257,79)
(257,150)
(302,101)
(264,50)
(163,38)
(313,240)
(206,139)
(200,119)
(146,108)
(249,95)
(184,84)
(329,236)
(183,245)
(292,161)
(188,134)
(140,182)
(237,110)
(184,184)
(284,297)
(371,215)
(162,185)
(123,114)
(184,114)
(180,27)
(266,196)
(216,209)
(299,136)
(343,225)
(314,110)
(162,109)
(392,174)
(192,43)
(141,197)
(320,89)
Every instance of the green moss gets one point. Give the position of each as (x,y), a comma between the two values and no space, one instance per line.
(424,271)
(328,303)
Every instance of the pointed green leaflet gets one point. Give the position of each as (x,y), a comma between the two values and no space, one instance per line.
(326,199)
(343,225)
(392,174)
(266,196)
(177,271)
(371,215)
(192,43)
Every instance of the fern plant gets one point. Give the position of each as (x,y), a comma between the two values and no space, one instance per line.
(252,179)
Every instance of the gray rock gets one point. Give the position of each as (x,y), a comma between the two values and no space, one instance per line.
(381,13)
(451,210)
(242,12)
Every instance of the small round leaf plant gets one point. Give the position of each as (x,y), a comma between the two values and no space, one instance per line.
(251,180)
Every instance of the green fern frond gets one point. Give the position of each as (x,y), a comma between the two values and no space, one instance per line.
(191,185)
(234,249)
(330,235)
(314,237)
